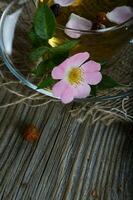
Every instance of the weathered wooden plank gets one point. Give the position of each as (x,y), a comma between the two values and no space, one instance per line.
(70,161)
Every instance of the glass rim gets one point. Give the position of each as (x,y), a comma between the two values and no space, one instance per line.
(109,29)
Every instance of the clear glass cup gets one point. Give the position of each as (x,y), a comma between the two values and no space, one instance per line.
(105,45)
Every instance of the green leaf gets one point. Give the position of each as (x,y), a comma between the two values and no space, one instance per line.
(44,22)
(46,83)
(43,68)
(58,59)
(61,52)
(65,47)
(38,53)
(35,39)
(107,83)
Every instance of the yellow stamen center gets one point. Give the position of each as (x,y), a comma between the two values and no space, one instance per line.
(75,76)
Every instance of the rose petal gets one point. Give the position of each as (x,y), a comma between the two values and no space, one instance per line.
(64,3)
(78,23)
(73,33)
(68,95)
(91,66)
(59,88)
(64,91)
(120,14)
(9,26)
(83,90)
(58,73)
(93,78)
(74,61)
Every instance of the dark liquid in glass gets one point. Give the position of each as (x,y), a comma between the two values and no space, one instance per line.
(101,46)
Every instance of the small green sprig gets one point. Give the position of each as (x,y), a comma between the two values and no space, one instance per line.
(43,29)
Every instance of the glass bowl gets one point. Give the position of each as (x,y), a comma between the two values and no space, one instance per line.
(107,45)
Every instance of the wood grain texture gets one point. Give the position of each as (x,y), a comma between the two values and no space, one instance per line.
(70,161)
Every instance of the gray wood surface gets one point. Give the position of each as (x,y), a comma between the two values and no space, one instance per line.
(70,161)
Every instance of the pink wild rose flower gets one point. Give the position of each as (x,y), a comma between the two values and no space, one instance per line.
(76,74)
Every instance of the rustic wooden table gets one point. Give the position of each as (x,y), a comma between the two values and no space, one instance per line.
(70,161)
